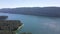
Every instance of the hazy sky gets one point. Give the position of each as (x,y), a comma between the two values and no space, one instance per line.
(28,3)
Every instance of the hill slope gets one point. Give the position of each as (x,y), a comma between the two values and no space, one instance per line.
(46,11)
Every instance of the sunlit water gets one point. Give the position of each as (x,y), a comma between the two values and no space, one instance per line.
(36,24)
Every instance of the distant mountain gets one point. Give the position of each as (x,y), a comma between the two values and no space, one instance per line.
(45,11)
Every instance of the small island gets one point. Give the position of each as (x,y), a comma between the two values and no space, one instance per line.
(3,17)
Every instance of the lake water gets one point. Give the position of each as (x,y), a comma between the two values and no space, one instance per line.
(36,24)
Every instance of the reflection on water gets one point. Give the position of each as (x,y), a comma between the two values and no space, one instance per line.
(36,24)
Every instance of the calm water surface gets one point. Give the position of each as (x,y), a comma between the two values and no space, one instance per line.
(36,24)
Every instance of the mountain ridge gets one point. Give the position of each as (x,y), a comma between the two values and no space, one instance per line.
(38,11)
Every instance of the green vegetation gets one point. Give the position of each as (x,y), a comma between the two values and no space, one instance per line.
(26,33)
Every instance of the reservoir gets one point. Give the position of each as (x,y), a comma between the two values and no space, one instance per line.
(36,24)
